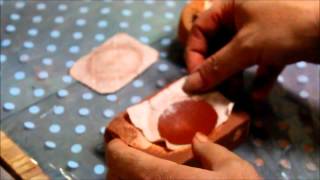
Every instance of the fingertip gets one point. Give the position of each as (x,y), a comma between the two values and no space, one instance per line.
(115,144)
(193,83)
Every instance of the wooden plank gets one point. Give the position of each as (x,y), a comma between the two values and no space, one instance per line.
(17,162)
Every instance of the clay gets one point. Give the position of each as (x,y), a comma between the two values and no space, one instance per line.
(115,63)
(145,115)
(179,123)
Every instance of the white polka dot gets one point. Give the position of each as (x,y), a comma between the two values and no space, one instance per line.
(59,19)
(41,6)
(123,24)
(58,110)
(28,44)
(83,10)
(77,35)
(87,96)
(50,144)
(8,106)
(167,28)
(128,1)
(69,64)
(165,41)
(112,97)
(301,64)
(84,111)
(20,75)
(99,37)
(304,94)
(135,99)
(99,169)
(149,1)
(37,19)
(108,113)
(15,17)
(76,148)
(72,164)
(29,125)
(33,32)
(126,12)
(5,42)
(302,79)
(160,83)
(81,22)
(24,58)
(170,3)
(62,93)
(80,129)
(14,91)
(169,15)
(39,92)
(146,27)
(102,130)
(144,39)
(55,34)
(102,24)
(105,10)
(62,7)
(147,14)
(51,48)
(74,49)
(43,75)
(47,61)
(67,79)
(163,67)
(3,58)
(20,4)
(137,83)
(280,79)
(34,109)
(10,28)
(54,128)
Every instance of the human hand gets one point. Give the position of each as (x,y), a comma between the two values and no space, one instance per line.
(270,34)
(125,162)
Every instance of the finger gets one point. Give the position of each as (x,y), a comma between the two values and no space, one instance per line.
(206,26)
(129,163)
(112,176)
(229,60)
(212,156)
(265,79)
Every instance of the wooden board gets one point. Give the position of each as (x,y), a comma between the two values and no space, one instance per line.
(17,162)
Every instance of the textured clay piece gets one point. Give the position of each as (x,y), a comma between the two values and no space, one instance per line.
(115,63)
(146,115)
(179,123)
(188,15)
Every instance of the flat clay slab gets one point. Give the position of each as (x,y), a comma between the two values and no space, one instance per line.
(114,64)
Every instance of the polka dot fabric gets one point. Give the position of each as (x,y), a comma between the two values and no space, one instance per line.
(60,122)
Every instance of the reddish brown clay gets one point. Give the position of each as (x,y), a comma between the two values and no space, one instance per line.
(179,123)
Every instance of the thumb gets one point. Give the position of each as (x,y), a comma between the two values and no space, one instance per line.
(229,60)
(212,156)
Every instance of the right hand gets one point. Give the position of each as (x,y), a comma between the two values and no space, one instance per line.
(125,162)
(270,34)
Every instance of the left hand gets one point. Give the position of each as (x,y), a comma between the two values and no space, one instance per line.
(125,162)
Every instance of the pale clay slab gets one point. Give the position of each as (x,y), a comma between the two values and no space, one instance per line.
(145,115)
(114,64)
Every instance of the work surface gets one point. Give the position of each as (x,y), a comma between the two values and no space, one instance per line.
(59,122)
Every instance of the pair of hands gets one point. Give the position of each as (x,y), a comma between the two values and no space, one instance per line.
(270,34)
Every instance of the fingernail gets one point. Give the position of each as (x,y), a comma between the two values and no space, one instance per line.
(201,137)
(193,83)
